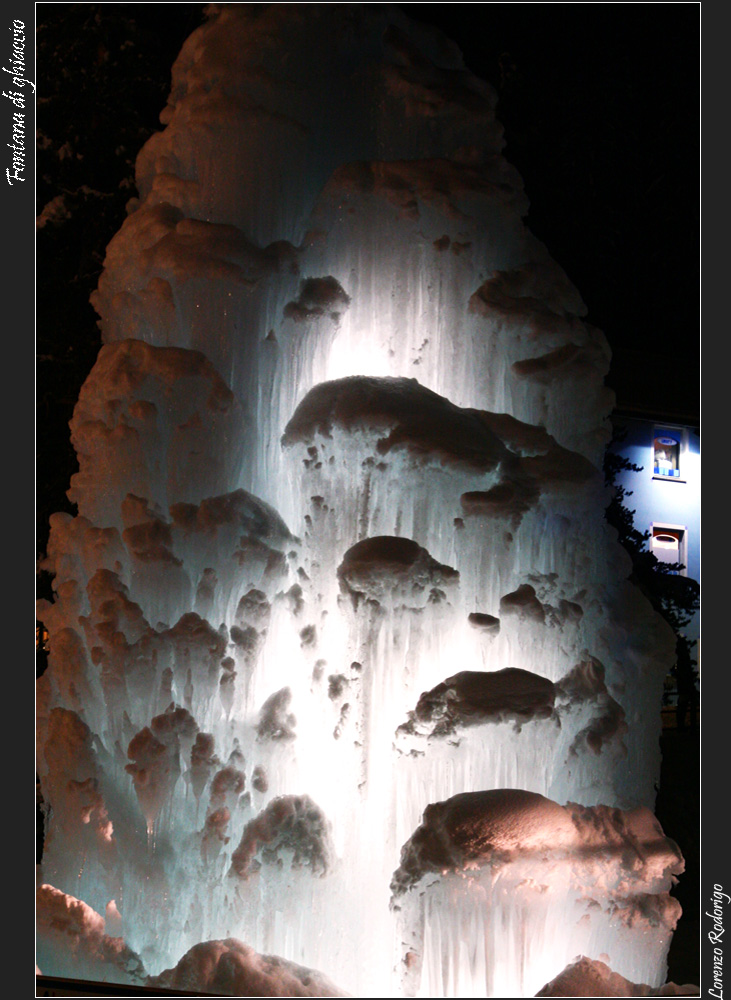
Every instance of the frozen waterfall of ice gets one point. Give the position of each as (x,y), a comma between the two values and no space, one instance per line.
(345,669)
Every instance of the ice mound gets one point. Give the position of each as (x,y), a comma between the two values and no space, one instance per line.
(155,753)
(339,559)
(586,684)
(477,698)
(155,421)
(508,726)
(414,417)
(275,721)
(471,698)
(71,940)
(478,828)
(391,569)
(232,968)
(290,825)
(463,466)
(495,828)
(69,927)
(509,857)
(442,183)
(318,297)
(73,780)
(428,426)
(591,978)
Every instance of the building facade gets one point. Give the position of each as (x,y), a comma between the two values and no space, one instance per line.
(664,496)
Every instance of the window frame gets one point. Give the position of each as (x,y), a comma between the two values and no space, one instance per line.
(682,433)
(659,527)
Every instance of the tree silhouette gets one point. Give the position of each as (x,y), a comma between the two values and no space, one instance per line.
(672,595)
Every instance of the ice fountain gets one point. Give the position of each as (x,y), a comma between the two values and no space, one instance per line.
(345,671)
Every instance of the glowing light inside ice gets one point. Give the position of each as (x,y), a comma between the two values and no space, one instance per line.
(340,556)
(357,355)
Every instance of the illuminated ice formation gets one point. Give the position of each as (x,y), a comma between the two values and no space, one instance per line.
(540,866)
(587,978)
(339,556)
(230,967)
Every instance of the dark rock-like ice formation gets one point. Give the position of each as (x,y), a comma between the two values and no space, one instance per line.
(290,825)
(472,698)
(389,569)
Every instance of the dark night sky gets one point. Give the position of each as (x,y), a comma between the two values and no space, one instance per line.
(600,106)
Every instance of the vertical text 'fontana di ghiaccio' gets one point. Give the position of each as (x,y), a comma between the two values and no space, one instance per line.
(16,96)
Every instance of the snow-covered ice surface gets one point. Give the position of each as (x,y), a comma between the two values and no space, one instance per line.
(340,557)
(587,978)
(513,870)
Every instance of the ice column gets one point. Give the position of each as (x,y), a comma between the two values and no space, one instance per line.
(342,649)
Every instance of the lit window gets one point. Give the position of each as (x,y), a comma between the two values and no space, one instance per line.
(667,449)
(669,544)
